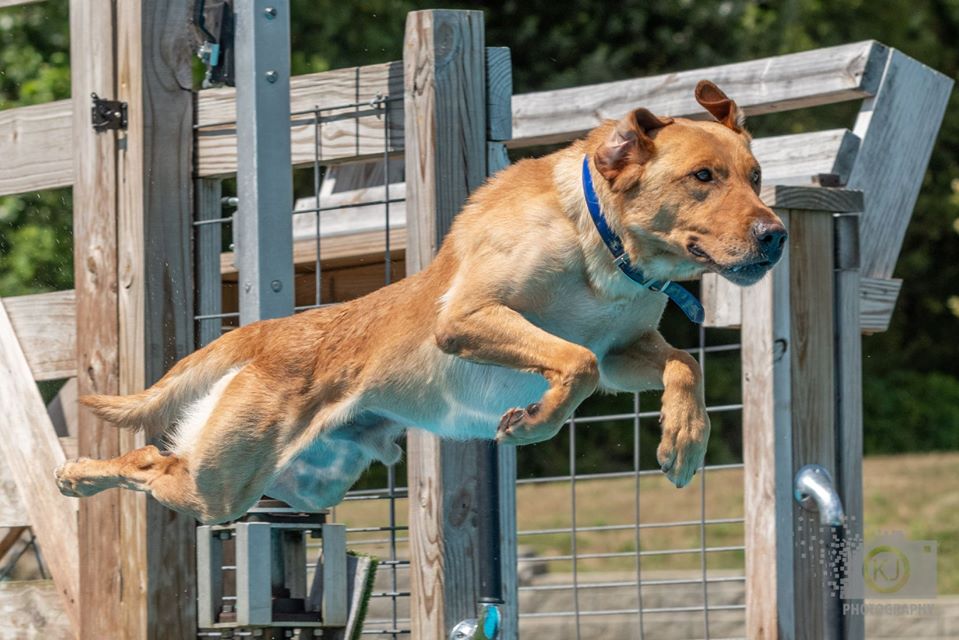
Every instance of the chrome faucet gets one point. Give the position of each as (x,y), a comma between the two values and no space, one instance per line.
(814,491)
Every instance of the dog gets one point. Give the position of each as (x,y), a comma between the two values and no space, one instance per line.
(549,286)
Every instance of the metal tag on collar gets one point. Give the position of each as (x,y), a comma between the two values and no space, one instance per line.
(657,285)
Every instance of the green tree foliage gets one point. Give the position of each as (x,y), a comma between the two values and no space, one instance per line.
(911,370)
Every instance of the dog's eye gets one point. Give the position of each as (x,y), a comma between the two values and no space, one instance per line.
(755,176)
(704,175)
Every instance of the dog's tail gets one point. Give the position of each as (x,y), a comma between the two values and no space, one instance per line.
(158,407)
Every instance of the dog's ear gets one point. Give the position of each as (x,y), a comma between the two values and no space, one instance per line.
(628,147)
(720,105)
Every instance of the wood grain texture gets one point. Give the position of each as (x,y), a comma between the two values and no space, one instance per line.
(155,304)
(722,301)
(848,366)
(45,324)
(31,452)
(35,145)
(12,511)
(31,609)
(92,70)
(813,399)
(780,83)
(499,94)
(338,93)
(797,158)
(812,198)
(445,105)
(767,448)
(877,300)
(898,129)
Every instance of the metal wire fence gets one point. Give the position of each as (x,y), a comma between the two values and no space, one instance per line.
(625,554)
(344,222)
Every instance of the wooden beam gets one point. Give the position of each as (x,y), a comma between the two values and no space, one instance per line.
(35,145)
(722,302)
(15,3)
(155,305)
(32,609)
(877,301)
(898,129)
(799,157)
(780,83)
(766,366)
(45,324)
(10,538)
(445,110)
(92,70)
(848,379)
(31,452)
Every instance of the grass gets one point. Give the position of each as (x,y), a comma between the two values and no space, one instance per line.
(917,494)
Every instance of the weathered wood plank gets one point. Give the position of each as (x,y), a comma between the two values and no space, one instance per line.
(337,94)
(898,129)
(31,609)
(767,446)
(499,94)
(12,511)
(722,301)
(797,158)
(10,538)
(877,301)
(31,452)
(35,146)
(93,70)
(45,324)
(445,111)
(848,366)
(780,83)
(813,401)
(155,303)
(779,196)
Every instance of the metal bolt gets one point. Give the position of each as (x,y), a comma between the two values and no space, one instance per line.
(270,13)
(271,76)
(276,285)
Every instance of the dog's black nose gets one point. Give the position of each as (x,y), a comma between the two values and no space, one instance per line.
(771,238)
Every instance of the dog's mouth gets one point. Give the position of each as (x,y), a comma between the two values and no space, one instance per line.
(743,273)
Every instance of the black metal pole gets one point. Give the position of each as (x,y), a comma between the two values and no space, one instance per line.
(491,570)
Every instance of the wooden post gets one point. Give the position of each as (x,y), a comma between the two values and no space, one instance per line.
(790,419)
(92,70)
(155,216)
(848,350)
(445,116)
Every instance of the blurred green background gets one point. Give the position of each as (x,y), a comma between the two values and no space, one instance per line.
(911,371)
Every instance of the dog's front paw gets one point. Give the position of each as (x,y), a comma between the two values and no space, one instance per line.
(522,426)
(683,446)
(70,479)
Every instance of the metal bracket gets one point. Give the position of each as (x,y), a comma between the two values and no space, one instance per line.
(108,114)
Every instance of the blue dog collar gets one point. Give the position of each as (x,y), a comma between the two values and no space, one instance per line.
(679,295)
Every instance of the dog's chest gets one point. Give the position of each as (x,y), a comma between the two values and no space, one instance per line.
(599,322)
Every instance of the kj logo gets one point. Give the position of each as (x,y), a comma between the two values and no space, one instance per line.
(890,566)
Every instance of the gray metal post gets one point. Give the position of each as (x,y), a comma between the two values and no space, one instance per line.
(264,220)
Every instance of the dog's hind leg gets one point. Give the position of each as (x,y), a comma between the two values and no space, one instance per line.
(223,470)
(163,475)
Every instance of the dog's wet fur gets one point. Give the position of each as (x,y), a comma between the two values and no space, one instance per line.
(520,317)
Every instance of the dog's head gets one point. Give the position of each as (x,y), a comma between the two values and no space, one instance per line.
(687,191)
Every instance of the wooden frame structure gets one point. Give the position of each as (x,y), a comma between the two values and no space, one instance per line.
(123,566)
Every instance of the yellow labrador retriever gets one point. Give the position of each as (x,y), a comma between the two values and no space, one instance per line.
(550,285)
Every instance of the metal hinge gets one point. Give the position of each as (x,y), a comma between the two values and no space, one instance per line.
(108,114)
